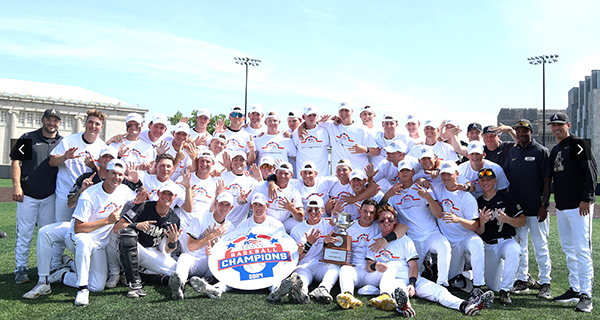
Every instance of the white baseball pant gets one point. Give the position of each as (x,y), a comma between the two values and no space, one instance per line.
(327,273)
(47,236)
(189,264)
(539,237)
(357,276)
(575,233)
(471,245)
(156,259)
(438,244)
(29,213)
(62,213)
(426,289)
(501,264)
(90,262)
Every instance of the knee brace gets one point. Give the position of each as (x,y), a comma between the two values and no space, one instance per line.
(128,256)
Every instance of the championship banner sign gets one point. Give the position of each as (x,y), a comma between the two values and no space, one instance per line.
(253,258)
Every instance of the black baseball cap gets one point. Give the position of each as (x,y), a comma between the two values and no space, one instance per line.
(559,118)
(488,129)
(52,112)
(486,173)
(523,123)
(475,126)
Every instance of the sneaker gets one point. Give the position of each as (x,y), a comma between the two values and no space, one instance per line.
(347,300)
(21,275)
(113,281)
(299,293)
(284,288)
(40,289)
(569,296)
(136,292)
(83,298)
(403,304)
(532,283)
(505,299)
(384,302)
(176,287)
(476,293)
(520,286)
(201,286)
(321,294)
(585,304)
(474,306)
(545,291)
(58,275)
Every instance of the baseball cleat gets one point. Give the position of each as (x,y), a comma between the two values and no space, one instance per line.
(474,306)
(176,287)
(113,281)
(298,292)
(384,302)
(585,304)
(58,275)
(284,288)
(520,286)
(201,286)
(545,292)
(505,299)
(321,294)
(403,304)
(21,275)
(569,296)
(83,298)
(40,289)
(346,301)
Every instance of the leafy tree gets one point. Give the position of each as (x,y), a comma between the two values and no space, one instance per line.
(191,121)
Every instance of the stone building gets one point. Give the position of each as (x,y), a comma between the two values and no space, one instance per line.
(22,104)
(584,110)
(509,116)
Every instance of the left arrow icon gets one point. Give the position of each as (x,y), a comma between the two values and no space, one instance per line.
(21,149)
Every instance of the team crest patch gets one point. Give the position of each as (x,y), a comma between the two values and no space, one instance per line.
(255,258)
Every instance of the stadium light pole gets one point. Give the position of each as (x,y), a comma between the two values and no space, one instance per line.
(247,62)
(543,60)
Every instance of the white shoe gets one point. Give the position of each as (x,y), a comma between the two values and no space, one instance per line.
(113,281)
(83,298)
(57,276)
(40,289)
(201,286)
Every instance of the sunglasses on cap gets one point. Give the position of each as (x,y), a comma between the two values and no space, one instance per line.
(236,115)
(486,173)
(266,166)
(390,220)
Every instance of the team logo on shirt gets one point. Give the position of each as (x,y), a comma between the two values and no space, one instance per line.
(408,199)
(362,239)
(342,194)
(311,139)
(386,255)
(234,143)
(201,191)
(253,258)
(272,144)
(134,152)
(313,194)
(448,206)
(109,208)
(344,136)
(82,153)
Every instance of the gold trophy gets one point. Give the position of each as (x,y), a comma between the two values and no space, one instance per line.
(340,251)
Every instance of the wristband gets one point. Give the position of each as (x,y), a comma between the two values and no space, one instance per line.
(172,245)
(367,149)
(133,226)
(373,266)
(391,237)
(412,280)
(306,247)
(272,177)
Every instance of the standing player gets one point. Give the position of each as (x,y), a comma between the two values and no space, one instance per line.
(131,148)
(442,150)
(495,150)
(273,144)
(575,174)
(199,134)
(470,169)
(312,145)
(390,136)
(34,181)
(255,127)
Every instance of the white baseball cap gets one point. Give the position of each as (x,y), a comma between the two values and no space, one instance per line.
(171,187)
(475,147)
(116,165)
(110,150)
(294,114)
(203,112)
(344,105)
(286,166)
(406,164)
(344,162)
(410,118)
(206,154)
(255,108)
(267,160)
(358,174)
(365,108)
(388,116)
(225,197)
(448,167)
(236,109)
(272,114)
(182,127)
(310,109)
(427,152)
(134,117)
(315,202)
(239,153)
(309,166)
(220,136)
(429,123)
(451,122)
(160,118)
(396,146)
(259,198)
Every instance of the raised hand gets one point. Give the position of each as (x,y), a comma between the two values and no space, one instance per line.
(162,148)
(313,236)
(87,182)
(70,154)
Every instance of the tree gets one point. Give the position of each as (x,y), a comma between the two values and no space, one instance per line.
(191,121)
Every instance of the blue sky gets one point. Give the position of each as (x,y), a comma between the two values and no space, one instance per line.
(437,59)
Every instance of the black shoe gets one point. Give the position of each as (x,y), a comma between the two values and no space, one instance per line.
(505,299)
(520,286)
(569,296)
(545,291)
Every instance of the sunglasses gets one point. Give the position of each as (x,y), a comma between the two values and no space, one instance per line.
(390,220)
(266,166)
(485,173)
(311,210)
(522,124)
(236,115)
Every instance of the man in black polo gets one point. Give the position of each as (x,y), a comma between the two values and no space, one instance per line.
(34,181)
(529,171)
(496,150)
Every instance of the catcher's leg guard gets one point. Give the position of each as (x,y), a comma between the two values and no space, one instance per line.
(128,256)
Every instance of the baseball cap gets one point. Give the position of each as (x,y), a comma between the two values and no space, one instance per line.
(427,152)
(358,174)
(488,129)
(475,126)
(405,164)
(448,167)
(475,147)
(239,153)
(134,117)
(267,160)
(344,162)
(220,136)
(182,127)
(559,117)
(116,165)
(272,114)
(294,114)
(450,122)
(171,187)
(225,197)
(344,105)
(256,108)
(310,109)
(396,146)
(160,118)
(309,166)
(486,173)
(286,166)
(365,108)
(206,154)
(429,123)
(523,123)
(52,112)
(315,202)
(388,116)
(410,118)
(259,198)
(110,150)
(203,112)
(236,109)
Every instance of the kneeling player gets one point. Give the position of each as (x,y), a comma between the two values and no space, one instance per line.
(398,263)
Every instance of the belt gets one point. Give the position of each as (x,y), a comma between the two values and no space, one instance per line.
(495,241)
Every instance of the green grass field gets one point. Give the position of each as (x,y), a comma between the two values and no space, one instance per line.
(112,303)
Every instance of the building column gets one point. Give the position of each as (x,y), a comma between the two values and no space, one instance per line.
(78,125)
